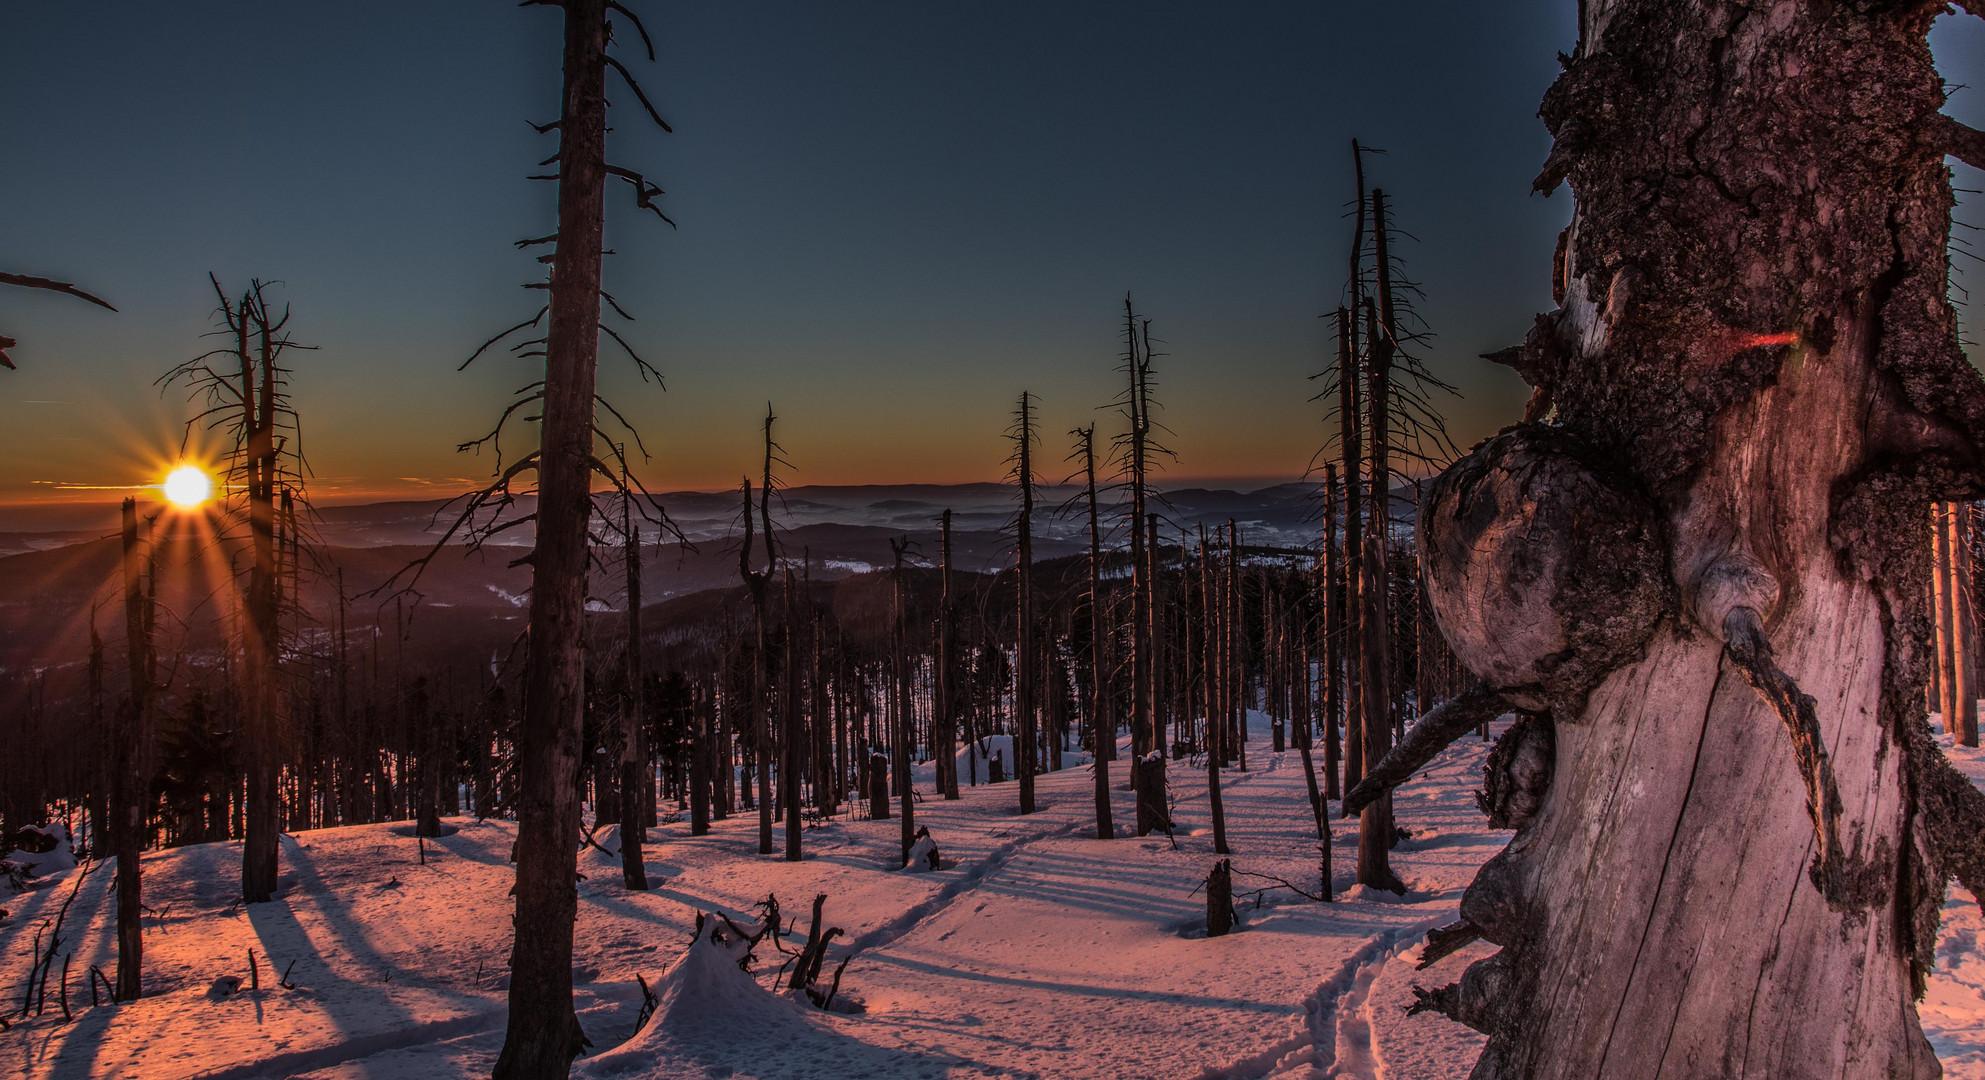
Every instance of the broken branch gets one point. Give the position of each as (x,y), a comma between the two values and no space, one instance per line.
(1448,721)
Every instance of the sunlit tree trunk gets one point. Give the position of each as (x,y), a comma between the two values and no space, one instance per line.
(1705,580)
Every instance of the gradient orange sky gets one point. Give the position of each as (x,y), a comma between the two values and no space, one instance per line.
(894,218)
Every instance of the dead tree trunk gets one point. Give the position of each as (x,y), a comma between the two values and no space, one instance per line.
(1102,722)
(133,769)
(1375,828)
(1957,684)
(701,754)
(1708,576)
(1216,748)
(1220,899)
(1333,632)
(794,736)
(1965,616)
(944,707)
(635,782)
(1350,435)
(761,699)
(1025,700)
(425,729)
(255,350)
(543,1034)
(899,702)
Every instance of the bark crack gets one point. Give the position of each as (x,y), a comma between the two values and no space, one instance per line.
(1757,988)
(1695,768)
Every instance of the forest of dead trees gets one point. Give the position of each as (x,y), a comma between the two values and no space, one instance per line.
(305,701)
(261,692)
(794,700)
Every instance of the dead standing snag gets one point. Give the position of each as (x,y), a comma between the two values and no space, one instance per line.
(1733,862)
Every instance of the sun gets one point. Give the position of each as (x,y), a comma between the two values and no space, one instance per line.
(188,486)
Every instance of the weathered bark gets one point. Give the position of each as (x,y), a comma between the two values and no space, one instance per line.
(1738,845)
(543,1033)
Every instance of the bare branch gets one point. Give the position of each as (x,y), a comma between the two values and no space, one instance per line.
(615,5)
(28,281)
(532,321)
(1446,722)
(636,87)
(1961,141)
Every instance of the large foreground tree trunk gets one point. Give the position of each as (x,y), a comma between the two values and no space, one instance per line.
(544,1034)
(1707,578)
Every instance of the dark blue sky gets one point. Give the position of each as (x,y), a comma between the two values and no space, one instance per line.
(894,218)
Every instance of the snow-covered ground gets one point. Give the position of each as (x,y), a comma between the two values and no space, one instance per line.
(1034,951)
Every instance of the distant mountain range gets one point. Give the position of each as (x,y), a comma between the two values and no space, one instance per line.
(57,581)
(1283,515)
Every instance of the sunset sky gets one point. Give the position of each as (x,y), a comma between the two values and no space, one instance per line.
(894,218)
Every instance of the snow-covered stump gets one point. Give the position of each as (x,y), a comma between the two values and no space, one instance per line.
(1706,576)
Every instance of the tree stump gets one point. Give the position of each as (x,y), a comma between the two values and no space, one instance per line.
(878,787)
(1153,815)
(1220,899)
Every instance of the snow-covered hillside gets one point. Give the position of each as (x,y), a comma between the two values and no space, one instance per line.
(1034,950)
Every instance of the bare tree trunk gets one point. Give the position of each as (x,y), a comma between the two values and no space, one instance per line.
(1942,697)
(1956,681)
(1333,632)
(1152,811)
(425,728)
(899,704)
(1350,434)
(944,705)
(701,754)
(761,700)
(133,769)
(1965,621)
(543,1034)
(1375,827)
(1154,609)
(635,782)
(1102,722)
(1733,828)
(1216,749)
(794,735)
(1025,699)
(260,644)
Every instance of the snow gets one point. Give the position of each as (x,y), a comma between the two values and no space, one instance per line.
(1035,950)
(27,866)
(1954,1004)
